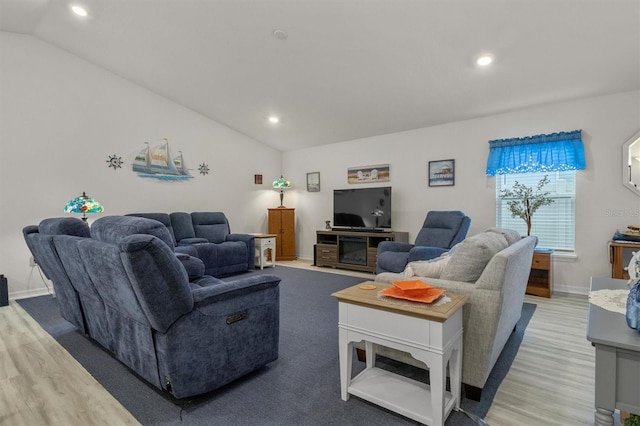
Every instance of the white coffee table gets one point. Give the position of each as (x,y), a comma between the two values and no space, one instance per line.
(432,334)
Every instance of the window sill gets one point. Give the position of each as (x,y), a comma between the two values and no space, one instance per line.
(564,257)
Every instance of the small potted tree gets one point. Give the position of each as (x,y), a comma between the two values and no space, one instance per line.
(632,420)
(523,200)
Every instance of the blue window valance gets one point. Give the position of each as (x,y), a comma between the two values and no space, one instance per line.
(540,153)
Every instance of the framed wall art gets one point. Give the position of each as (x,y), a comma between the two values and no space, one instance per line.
(442,173)
(368,174)
(313,182)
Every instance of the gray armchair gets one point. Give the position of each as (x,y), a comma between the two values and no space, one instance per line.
(492,268)
(440,231)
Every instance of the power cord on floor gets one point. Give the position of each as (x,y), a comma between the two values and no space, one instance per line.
(44,280)
(477,420)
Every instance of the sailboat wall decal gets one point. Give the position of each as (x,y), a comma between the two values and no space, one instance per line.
(157,162)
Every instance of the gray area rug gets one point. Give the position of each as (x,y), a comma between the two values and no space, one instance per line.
(301,388)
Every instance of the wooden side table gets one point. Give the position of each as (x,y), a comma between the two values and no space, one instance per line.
(620,254)
(265,249)
(541,276)
(432,334)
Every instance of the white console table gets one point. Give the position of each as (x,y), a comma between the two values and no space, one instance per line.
(432,334)
(265,249)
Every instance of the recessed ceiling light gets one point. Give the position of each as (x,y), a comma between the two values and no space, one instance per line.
(484,60)
(274,120)
(79,11)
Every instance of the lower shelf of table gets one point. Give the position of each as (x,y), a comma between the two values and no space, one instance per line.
(400,394)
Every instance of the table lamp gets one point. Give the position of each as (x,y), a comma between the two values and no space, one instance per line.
(83,204)
(281,184)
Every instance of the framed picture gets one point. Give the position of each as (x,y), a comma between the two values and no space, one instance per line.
(368,174)
(313,182)
(442,173)
(257,179)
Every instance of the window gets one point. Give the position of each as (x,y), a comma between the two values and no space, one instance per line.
(527,160)
(554,225)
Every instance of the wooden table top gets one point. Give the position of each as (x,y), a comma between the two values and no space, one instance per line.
(369,298)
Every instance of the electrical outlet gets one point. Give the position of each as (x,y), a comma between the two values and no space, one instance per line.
(32,261)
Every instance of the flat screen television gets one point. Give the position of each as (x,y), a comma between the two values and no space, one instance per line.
(362,208)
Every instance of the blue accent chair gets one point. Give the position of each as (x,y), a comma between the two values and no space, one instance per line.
(440,231)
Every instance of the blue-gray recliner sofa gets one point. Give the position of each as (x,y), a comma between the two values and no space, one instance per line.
(440,231)
(125,287)
(207,236)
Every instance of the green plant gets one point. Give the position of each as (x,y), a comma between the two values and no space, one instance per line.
(632,420)
(523,200)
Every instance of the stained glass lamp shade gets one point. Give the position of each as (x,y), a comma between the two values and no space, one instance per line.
(281,184)
(83,204)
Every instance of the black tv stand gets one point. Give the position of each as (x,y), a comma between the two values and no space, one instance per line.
(354,249)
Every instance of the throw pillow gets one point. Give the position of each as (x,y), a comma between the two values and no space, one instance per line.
(509,234)
(472,256)
(427,268)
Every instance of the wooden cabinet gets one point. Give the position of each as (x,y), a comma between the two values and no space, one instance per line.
(282,224)
(620,254)
(541,276)
(353,250)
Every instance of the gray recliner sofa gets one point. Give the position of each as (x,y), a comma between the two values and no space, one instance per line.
(185,336)
(207,236)
(492,268)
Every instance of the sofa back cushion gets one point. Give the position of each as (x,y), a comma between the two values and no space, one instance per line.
(509,234)
(163,218)
(210,225)
(111,229)
(470,257)
(182,226)
(64,226)
(440,229)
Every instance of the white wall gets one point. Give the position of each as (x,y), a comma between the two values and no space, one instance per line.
(62,117)
(603,204)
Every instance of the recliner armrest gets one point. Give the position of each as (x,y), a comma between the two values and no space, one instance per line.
(250,241)
(394,246)
(425,253)
(192,241)
(193,265)
(205,296)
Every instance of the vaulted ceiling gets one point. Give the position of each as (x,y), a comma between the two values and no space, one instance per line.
(337,70)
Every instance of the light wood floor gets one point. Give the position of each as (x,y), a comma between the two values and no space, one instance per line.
(550,383)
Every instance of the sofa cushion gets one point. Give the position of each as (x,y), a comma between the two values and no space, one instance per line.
(210,225)
(509,234)
(64,226)
(427,268)
(472,255)
(163,218)
(112,229)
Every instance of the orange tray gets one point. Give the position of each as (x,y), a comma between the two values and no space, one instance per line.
(412,288)
(428,296)
(411,285)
